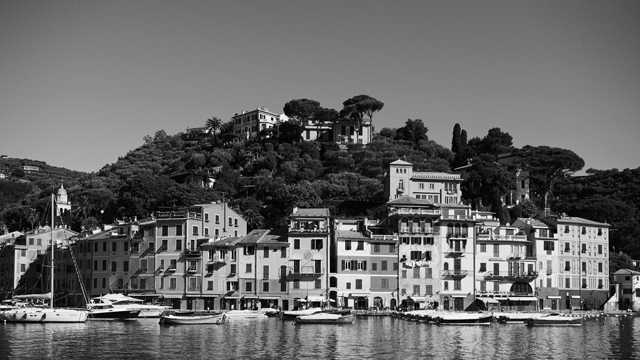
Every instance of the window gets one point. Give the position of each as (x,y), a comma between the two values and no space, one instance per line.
(483,248)
(496,286)
(178,245)
(206,231)
(248,286)
(496,250)
(383,265)
(428,273)
(165,245)
(496,269)
(248,268)
(104,265)
(446,285)
(235,221)
(114,246)
(483,286)
(265,253)
(195,230)
(384,284)
(172,283)
(104,246)
(360,245)
(584,230)
(567,247)
(318,284)
(95,265)
(392,248)
(549,246)
(358,284)
(567,267)
(600,267)
(416,290)
(457,284)
(483,267)
(296,284)
(165,230)
(173,264)
(265,286)
(376,248)
(347,244)
(599,232)
(416,255)
(566,229)
(230,221)
(125,266)
(348,285)
(584,248)
(95,247)
(600,248)
(395,266)
(404,274)
(416,272)
(283,252)
(296,244)
(374,266)
(316,244)
(249,250)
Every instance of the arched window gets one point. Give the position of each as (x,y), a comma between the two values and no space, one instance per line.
(457,230)
(521,288)
(465,230)
(401,184)
(446,285)
(446,266)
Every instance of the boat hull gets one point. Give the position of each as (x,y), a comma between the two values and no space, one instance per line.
(293,314)
(193,320)
(113,314)
(325,318)
(45,315)
(465,320)
(244,314)
(555,321)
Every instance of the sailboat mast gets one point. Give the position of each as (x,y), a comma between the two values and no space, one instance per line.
(53,250)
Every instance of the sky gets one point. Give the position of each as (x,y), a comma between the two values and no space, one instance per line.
(82,82)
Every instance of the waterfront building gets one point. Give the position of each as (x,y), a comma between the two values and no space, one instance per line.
(309,233)
(628,289)
(22,261)
(263,263)
(222,272)
(365,275)
(505,265)
(438,188)
(249,124)
(583,261)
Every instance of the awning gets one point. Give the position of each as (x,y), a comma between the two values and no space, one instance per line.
(575,296)
(554,297)
(527,298)
(172,296)
(269,298)
(357,295)
(418,298)
(250,297)
(459,296)
(489,300)
(230,297)
(315,298)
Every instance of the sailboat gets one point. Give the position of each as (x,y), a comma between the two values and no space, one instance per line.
(42,313)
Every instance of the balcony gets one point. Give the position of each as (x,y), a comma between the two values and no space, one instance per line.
(305,271)
(322,229)
(455,235)
(178,215)
(454,274)
(171,268)
(219,259)
(192,270)
(160,269)
(161,249)
(193,253)
(510,275)
(416,230)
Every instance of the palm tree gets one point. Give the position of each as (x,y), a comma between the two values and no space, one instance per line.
(213,126)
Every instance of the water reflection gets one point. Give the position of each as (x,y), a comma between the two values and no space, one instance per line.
(379,338)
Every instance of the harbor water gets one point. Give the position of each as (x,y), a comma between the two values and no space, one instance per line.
(368,337)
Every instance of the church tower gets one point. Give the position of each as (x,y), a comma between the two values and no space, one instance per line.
(63,208)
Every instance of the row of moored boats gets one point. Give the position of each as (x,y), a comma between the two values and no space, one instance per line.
(486,319)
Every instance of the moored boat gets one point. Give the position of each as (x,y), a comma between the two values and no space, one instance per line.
(38,312)
(193,320)
(244,314)
(471,319)
(555,319)
(325,318)
(293,314)
(108,312)
(515,318)
(123,301)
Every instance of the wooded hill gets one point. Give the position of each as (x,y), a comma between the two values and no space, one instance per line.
(265,178)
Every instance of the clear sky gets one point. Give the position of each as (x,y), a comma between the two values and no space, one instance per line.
(82,82)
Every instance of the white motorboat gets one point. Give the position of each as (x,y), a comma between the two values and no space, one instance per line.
(244,314)
(293,314)
(555,319)
(123,301)
(325,318)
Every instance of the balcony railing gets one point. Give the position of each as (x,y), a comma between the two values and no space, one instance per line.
(161,249)
(490,237)
(416,229)
(193,253)
(171,268)
(192,269)
(454,273)
(511,275)
(456,235)
(305,270)
(219,259)
(322,229)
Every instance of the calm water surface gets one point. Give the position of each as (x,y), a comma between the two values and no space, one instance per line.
(374,337)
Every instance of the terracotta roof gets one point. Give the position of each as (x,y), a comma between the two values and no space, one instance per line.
(350,234)
(626,271)
(400,162)
(409,200)
(313,212)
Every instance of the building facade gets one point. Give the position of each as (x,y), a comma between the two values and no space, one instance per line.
(249,124)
